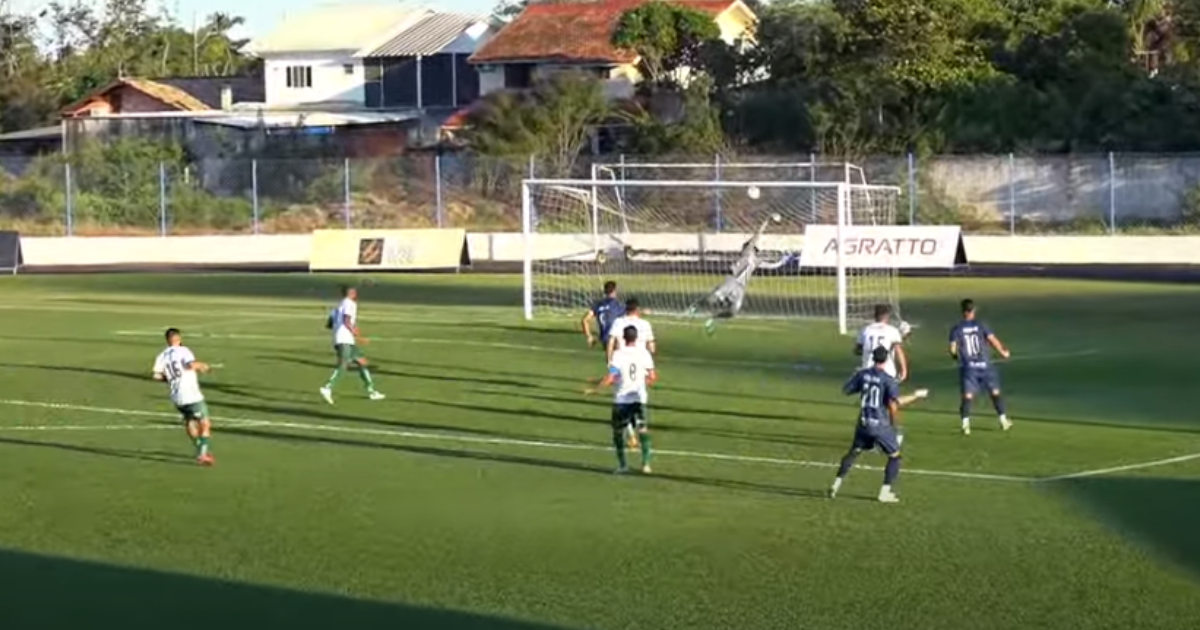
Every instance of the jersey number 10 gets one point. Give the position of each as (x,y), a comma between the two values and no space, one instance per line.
(973,346)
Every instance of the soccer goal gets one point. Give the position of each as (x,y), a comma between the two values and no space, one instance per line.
(719,171)
(671,242)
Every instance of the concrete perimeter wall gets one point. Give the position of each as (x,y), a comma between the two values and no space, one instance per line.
(65,253)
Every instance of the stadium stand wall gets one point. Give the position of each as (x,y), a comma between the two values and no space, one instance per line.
(293,251)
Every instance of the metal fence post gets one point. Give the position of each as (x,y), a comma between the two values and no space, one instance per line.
(437,189)
(346,191)
(1012,195)
(1112,194)
(162,199)
(533,218)
(70,199)
(254,192)
(719,191)
(912,188)
(812,179)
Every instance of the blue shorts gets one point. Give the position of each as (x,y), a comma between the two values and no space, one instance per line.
(978,380)
(882,437)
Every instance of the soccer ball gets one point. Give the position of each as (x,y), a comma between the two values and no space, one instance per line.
(778,218)
(905,328)
(753,192)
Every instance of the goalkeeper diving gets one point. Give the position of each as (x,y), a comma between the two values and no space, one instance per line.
(725,301)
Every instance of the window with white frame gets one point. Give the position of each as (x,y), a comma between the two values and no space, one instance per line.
(299,76)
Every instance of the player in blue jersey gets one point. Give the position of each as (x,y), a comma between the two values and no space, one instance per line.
(971,342)
(605,311)
(878,415)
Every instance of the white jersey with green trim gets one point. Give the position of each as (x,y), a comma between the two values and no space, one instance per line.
(630,366)
(644,329)
(342,334)
(880,335)
(174,364)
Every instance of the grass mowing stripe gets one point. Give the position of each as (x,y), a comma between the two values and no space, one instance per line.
(465,439)
(385,315)
(1045,356)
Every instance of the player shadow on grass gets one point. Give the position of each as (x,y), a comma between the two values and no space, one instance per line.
(559,377)
(392,424)
(1158,513)
(601,406)
(47,592)
(954,413)
(147,456)
(144,377)
(94,371)
(521,460)
(383,371)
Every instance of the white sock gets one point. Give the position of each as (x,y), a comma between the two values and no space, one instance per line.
(837,483)
(1003,418)
(966,422)
(886,489)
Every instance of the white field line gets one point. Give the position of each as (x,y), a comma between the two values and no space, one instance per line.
(496,441)
(1116,469)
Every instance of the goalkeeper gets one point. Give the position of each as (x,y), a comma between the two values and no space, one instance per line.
(726,300)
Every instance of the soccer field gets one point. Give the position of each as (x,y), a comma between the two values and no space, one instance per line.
(480,493)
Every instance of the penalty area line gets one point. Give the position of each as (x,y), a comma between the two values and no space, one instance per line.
(497,441)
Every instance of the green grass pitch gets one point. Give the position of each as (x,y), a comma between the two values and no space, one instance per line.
(479,494)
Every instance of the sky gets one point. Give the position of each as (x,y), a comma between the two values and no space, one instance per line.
(263,15)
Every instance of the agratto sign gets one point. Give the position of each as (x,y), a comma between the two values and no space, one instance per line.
(884,247)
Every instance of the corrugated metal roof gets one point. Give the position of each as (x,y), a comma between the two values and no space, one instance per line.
(282,120)
(41,133)
(337,27)
(429,36)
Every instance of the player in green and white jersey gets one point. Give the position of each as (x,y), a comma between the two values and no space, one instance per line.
(179,368)
(343,321)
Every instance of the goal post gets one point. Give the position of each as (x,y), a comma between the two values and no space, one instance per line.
(662,241)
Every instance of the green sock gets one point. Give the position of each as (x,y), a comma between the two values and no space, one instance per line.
(333,378)
(644,438)
(619,444)
(365,375)
(201,446)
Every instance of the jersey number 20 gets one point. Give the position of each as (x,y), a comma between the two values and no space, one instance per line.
(871,396)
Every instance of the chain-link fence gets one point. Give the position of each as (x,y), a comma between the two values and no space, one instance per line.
(139,194)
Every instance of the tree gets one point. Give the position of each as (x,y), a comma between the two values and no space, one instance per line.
(554,121)
(669,39)
(697,132)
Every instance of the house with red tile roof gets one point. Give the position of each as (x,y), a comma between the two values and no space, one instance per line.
(556,36)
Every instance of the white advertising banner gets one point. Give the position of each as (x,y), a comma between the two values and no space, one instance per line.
(884,246)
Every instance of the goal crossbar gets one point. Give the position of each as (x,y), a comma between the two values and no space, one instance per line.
(691,183)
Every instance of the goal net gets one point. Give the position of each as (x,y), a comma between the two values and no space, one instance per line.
(670,243)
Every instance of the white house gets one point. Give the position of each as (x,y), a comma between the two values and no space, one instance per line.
(372,56)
